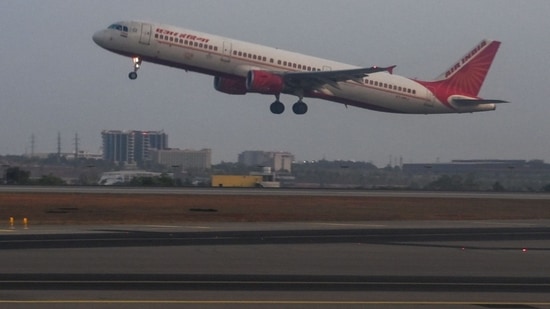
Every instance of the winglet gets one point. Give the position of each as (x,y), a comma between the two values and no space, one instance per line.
(390,69)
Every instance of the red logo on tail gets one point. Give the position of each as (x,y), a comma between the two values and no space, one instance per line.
(467,76)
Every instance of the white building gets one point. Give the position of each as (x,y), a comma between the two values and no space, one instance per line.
(186,159)
(277,160)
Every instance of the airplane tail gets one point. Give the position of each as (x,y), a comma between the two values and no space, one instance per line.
(467,75)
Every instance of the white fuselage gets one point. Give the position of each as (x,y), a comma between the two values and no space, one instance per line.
(223,57)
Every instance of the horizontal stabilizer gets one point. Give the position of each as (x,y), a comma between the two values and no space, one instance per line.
(473,102)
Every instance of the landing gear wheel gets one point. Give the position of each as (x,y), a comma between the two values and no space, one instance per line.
(299,108)
(277,107)
(137,65)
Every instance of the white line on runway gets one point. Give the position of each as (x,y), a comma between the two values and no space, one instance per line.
(496,304)
(350,224)
(177,227)
(506,223)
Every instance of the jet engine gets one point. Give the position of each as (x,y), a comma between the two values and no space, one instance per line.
(230,85)
(264,82)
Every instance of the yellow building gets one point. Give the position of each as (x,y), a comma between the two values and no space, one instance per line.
(237,181)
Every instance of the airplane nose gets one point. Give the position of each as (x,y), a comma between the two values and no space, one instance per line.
(98,37)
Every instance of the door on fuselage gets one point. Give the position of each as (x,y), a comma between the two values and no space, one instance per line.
(145,37)
(226,51)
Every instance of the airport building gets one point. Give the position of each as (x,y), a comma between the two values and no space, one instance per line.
(277,160)
(185,159)
(467,166)
(131,147)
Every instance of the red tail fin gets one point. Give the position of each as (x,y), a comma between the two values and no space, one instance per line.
(467,75)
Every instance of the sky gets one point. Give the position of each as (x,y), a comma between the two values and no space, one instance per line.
(55,79)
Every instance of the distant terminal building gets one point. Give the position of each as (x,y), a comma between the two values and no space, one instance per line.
(185,159)
(277,160)
(466,166)
(131,147)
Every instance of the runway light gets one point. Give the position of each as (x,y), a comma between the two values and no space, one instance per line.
(524,250)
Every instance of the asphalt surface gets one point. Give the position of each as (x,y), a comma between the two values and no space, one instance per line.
(273,191)
(441,264)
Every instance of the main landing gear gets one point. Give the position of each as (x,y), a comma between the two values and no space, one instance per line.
(137,65)
(277,107)
(299,108)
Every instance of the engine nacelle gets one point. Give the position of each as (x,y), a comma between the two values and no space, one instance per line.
(264,82)
(230,85)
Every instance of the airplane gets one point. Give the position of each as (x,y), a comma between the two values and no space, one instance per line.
(240,67)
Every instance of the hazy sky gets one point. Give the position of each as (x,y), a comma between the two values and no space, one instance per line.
(53,78)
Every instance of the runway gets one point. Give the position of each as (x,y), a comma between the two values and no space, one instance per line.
(273,192)
(442,264)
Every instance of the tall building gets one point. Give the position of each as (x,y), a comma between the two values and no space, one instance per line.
(185,159)
(131,147)
(277,160)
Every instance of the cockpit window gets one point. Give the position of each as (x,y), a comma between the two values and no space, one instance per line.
(118,27)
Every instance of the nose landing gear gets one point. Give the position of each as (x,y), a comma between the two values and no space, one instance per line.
(137,65)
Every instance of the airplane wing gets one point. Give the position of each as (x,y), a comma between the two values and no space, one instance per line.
(473,102)
(311,80)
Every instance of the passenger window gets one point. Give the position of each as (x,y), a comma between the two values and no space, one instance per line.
(125,29)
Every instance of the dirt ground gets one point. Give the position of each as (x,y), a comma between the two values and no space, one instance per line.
(79,208)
